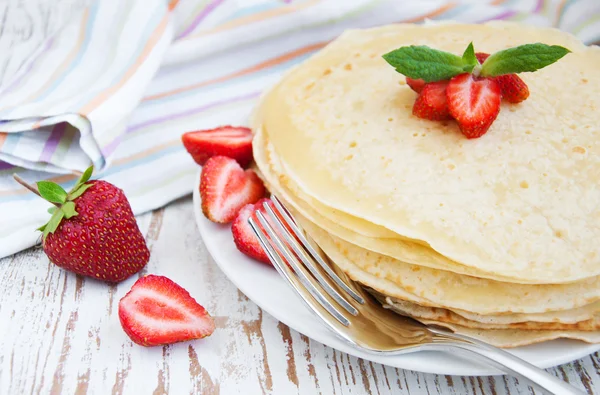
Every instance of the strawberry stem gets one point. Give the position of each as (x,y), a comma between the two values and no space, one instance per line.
(30,187)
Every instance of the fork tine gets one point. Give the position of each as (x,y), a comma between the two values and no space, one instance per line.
(299,271)
(273,256)
(290,222)
(308,262)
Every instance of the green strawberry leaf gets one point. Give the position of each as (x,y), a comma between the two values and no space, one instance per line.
(51,210)
(52,192)
(469,55)
(41,228)
(524,58)
(83,179)
(75,193)
(51,226)
(69,210)
(428,64)
(86,175)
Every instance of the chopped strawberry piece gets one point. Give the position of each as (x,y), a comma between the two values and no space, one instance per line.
(432,103)
(157,311)
(415,85)
(244,237)
(225,188)
(481,56)
(232,141)
(513,88)
(474,103)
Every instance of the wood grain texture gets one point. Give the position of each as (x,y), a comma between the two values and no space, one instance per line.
(60,333)
(25,26)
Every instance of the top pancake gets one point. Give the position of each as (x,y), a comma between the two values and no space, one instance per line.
(522,201)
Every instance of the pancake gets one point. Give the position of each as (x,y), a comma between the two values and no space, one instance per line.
(492,237)
(345,226)
(443,315)
(519,203)
(450,290)
(435,288)
(349,228)
(508,338)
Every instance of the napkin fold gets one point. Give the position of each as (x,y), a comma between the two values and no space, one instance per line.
(118,84)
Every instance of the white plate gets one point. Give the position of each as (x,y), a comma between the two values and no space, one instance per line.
(263,285)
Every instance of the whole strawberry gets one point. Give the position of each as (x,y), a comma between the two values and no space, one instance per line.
(92,230)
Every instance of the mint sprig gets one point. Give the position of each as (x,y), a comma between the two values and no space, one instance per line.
(469,55)
(524,58)
(428,64)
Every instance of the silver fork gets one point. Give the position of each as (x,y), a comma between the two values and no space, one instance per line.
(358,319)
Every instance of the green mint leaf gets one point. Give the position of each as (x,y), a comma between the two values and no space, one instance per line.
(469,55)
(428,64)
(69,210)
(52,192)
(75,193)
(51,210)
(529,57)
(51,226)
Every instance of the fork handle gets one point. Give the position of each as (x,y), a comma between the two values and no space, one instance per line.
(508,363)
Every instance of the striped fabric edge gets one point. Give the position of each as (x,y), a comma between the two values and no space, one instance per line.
(156,37)
(269,63)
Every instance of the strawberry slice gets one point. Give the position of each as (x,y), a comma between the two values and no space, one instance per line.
(231,141)
(481,56)
(513,88)
(415,85)
(225,188)
(474,103)
(432,103)
(244,237)
(157,311)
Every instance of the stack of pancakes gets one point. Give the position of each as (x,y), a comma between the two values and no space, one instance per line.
(496,237)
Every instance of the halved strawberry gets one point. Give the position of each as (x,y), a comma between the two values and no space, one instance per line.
(513,88)
(415,85)
(243,236)
(431,102)
(232,141)
(157,311)
(225,188)
(474,103)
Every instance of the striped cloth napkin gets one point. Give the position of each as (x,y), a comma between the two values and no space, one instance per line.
(119,83)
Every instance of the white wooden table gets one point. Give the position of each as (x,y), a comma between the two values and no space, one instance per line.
(60,334)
